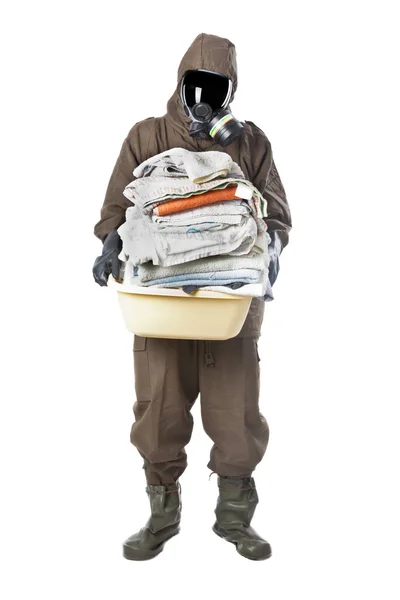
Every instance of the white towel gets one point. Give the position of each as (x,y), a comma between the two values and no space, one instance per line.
(143,241)
(198,166)
(230,211)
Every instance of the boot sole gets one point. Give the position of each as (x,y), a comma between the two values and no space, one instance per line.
(131,554)
(235,544)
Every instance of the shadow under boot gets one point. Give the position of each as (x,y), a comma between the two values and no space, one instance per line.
(166,505)
(236,504)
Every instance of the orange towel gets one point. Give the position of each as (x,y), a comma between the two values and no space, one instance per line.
(174,206)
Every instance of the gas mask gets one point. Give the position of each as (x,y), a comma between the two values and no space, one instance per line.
(205,97)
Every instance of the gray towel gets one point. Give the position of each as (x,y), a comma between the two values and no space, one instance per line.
(254,260)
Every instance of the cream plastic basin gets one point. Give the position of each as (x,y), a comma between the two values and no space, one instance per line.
(171,313)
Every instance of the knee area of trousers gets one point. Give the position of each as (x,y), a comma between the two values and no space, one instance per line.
(150,452)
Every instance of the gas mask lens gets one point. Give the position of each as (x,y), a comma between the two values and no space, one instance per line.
(205,96)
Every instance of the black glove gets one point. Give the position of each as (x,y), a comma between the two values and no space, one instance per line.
(108,263)
(274,250)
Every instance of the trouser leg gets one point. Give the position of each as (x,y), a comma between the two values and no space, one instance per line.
(166,384)
(229,391)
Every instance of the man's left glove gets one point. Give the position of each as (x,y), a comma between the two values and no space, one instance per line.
(108,263)
(274,250)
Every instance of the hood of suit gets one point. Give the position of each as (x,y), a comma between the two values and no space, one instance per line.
(209,52)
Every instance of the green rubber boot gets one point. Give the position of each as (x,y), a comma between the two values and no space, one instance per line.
(236,504)
(166,505)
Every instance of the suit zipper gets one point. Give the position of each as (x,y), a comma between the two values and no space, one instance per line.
(208,357)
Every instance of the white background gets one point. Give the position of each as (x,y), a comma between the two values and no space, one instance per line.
(320,78)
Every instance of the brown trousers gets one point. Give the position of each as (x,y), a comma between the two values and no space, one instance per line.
(169,375)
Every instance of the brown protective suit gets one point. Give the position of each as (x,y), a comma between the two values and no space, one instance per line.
(169,374)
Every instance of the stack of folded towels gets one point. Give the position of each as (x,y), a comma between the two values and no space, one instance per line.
(196,223)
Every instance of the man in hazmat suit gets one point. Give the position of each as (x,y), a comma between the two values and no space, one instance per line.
(170,373)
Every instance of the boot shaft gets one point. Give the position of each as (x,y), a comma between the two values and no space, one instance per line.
(165,504)
(236,502)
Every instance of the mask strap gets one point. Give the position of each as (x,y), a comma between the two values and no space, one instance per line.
(228,94)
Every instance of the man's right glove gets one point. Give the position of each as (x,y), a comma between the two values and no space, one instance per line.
(108,263)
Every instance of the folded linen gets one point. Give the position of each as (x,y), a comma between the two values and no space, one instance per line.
(177,283)
(195,228)
(261,290)
(255,260)
(222,212)
(197,166)
(149,192)
(223,219)
(143,241)
(211,197)
(208,278)
(226,229)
